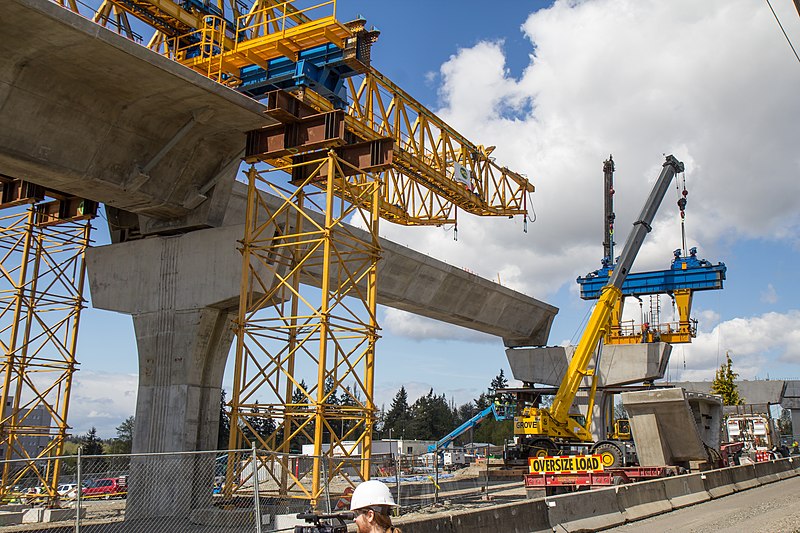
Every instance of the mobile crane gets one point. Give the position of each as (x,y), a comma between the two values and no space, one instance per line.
(542,431)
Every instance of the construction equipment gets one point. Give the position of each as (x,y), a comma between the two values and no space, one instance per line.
(686,274)
(500,411)
(346,142)
(544,430)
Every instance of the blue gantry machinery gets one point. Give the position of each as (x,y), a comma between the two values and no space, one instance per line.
(686,275)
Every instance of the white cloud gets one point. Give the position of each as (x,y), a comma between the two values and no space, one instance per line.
(102,400)
(769,295)
(402,324)
(711,82)
(752,343)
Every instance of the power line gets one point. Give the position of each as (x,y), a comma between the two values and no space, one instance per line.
(784,31)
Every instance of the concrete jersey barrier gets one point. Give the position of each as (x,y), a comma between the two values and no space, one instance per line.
(523,517)
(686,490)
(767,472)
(784,468)
(718,483)
(744,477)
(641,500)
(585,511)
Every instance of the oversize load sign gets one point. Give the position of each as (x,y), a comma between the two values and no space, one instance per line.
(571,464)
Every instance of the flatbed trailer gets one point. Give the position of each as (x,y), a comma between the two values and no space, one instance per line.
(605,478)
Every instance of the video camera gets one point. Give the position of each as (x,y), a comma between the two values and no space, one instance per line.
(319,527)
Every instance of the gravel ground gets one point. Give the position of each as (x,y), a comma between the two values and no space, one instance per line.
(773,508)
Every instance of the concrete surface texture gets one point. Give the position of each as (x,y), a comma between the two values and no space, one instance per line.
(667,430)
(92,112)
(622,364)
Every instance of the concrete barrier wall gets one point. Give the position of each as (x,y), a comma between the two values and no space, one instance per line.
(641,500)
(683,491)
(522,517)
(784,468)
(518,517)
(604,508)
(718,483)
(585,511)
(766,472)
(744,477)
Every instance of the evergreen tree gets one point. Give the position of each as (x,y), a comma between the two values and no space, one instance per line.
(398,416)
(263,426)
(785,423)
(499,381)
(224,428)
(91,444)
(124,441)
(431,417)
(299,398)
(724,383)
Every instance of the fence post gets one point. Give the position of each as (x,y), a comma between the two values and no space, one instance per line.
(78,494)
(326,483)
(486,455)
(256,503)
(436,476)
(397,476)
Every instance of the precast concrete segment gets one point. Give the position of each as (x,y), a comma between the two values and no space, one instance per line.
(419,284)
(718,483)
(664,426)
(641,500)
(683,491)
(577,512)
(754,392)
(86,112)
(621,364)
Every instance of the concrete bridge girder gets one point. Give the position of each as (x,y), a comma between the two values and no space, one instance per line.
(90,113)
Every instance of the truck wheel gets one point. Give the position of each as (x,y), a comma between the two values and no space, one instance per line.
(618,480)
(541,448)
(610,452)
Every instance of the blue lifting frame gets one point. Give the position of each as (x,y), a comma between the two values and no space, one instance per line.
(685,273)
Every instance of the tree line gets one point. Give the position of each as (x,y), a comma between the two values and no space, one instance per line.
(430,417)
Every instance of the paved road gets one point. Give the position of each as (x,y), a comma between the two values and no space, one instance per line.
(773,508)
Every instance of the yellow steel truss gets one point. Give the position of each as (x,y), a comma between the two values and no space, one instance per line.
(435,169)
(327,334)
(680,332)
(41,296)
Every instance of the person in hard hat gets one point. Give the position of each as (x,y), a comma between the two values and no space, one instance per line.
(372,502)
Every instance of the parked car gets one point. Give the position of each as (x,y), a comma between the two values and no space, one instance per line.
(107,487)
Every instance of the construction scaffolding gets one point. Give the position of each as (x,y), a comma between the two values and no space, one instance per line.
(41,298)
(328,333)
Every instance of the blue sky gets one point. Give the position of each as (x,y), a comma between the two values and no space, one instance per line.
(557,88)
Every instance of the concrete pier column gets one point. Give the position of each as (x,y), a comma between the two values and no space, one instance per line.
(182,293)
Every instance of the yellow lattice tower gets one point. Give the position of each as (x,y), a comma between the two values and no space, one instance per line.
(333,330)
(41,298)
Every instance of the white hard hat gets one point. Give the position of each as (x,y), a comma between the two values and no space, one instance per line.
(371,493)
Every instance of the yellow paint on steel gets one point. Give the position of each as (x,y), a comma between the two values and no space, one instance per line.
(284,332)
(45,269)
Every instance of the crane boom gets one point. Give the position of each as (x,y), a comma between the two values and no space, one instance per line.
(555,421)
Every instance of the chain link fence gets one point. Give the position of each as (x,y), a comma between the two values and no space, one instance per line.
(243,490)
